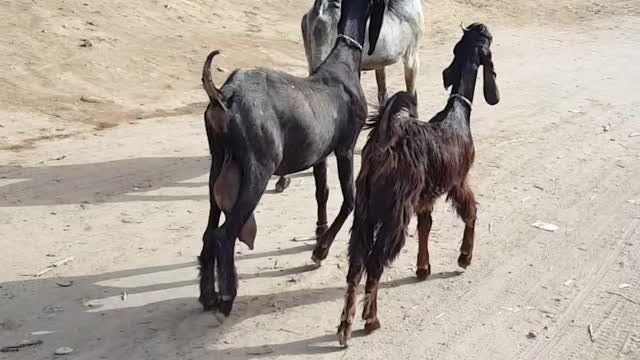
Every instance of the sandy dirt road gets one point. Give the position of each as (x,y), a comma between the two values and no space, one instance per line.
(129,204)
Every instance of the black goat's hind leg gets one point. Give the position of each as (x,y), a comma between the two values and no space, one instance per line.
(322,195)
(207,259)
(208,297)
(345,173)
(251,189)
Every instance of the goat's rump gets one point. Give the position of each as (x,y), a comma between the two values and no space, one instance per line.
(225,192)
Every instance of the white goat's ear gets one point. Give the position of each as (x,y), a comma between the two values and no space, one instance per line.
(490,87)
(376,17)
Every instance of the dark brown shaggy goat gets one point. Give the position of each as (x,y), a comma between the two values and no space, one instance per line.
(407,165)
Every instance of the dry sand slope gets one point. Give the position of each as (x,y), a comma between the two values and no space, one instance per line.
(120,186)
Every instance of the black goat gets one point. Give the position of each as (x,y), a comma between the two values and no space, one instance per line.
(408,164)
(264,122)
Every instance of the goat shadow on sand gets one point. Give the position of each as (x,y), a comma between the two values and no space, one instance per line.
(110,181)
(176,322)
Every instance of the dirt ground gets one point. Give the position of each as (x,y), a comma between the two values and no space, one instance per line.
(103,159)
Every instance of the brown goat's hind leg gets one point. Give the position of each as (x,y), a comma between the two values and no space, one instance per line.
(465,204)
(375,267)
(348,312)
(370,310)
(423,267)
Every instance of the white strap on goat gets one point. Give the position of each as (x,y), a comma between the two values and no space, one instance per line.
(351,41)
(464,99)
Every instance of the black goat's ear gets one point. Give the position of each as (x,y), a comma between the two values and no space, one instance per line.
(490,87)
(449,75)
(376,17)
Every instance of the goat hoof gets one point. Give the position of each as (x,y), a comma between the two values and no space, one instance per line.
(370,327)
(316,260)
(321,229)
(344,333)
(423,274)
(282,184)
(225,307)
(209,302)
(464,260)
(319,253)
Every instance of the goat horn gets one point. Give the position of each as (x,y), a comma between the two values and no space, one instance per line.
(464,29)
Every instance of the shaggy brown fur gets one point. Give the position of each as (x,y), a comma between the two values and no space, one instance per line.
(407,165)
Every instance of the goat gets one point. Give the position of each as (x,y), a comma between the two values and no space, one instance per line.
(264,122)
(407,165)
(399,38)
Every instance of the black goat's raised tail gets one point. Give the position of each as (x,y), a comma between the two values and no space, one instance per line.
(217,113)
(207,80)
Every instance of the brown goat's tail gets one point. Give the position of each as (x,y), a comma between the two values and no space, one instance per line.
(207,80)
(384,120)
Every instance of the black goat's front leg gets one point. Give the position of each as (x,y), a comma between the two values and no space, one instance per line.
(208,297)
(322,195)
(345,173)
(282,184)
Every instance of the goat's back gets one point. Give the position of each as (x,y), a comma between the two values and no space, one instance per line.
(421,160)
(296,120)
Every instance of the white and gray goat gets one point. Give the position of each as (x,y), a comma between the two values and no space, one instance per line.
(400,36)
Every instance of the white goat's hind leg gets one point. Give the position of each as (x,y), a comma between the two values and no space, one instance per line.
(411,68)
(381,80)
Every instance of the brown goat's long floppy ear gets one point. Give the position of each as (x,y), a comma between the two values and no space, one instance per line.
(376,17)
(490,88)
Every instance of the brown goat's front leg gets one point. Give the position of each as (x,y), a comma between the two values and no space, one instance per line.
(345,173)
(465,204)
(322,195)
(348,312)
(423,267)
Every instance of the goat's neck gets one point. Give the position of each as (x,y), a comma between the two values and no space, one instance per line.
(320,6)
(353,23)
(467,84)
